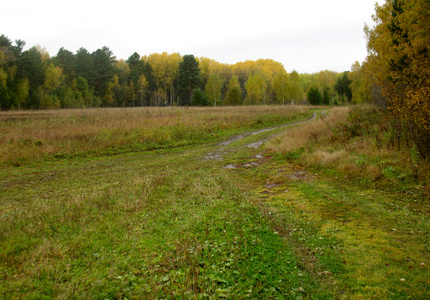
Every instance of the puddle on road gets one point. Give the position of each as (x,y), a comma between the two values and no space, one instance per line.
(231,167)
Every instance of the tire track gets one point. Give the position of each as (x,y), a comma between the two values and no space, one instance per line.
(220,149)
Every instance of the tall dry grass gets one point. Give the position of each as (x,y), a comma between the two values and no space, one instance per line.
(27,136)
(310,133)
(356,142)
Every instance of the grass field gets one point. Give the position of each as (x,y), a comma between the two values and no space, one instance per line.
(310,215)
(26,137)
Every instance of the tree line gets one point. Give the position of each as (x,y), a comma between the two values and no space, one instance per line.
(32,79)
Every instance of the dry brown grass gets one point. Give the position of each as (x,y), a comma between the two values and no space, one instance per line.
(326,158)
(309,134)
(354,141)
(26,136)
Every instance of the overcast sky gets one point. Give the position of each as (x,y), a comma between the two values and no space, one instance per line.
(305,35)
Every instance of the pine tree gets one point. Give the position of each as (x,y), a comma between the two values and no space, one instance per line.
(314,96)
(343,86)
(189,78)
(199,98)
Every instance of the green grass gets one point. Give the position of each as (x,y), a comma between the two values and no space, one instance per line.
(366,236)
(374,242)
(166,224)
(160,224)
(139,226)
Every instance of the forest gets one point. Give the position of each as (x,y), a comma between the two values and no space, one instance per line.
(32,79)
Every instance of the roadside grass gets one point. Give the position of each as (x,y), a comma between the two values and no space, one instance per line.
(357,143)
(360,228)
(29,136)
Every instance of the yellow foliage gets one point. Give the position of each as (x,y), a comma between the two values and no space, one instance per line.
(399,61)
(54,78)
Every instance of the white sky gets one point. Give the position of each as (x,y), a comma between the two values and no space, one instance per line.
(305,35)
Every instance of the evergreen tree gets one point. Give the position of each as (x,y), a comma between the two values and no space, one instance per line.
(151,86)
(30,66)
(103,61)
(137,67)
(189,78)
(66,60)
(343,86)
(326,96)
(199,98)
(314,96)
(19,47)
(85,66)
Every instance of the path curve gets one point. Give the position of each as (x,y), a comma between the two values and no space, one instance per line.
(220,148)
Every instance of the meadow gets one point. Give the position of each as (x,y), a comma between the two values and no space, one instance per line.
(27,136)
(121,204)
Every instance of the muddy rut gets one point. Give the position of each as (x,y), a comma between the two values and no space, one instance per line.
(220,149)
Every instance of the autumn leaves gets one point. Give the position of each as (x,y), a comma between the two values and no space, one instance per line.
(399,63)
